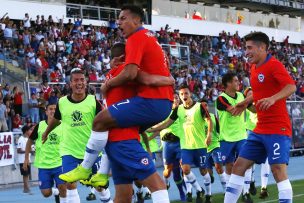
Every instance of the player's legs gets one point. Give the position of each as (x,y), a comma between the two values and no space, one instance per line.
(228,157)
(136,111)
(218,165)
(123,193)
(200,161)
(265,170)
(252,151)
(167,173)
(278,147)
(69,163)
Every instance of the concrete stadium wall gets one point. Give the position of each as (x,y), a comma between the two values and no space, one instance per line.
(17,9)
(197,27)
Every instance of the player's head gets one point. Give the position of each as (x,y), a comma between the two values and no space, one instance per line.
(118,49)
(257,44)
(231,81)
(78,83)
(130,19)
(176,100)
(50,110)
(185,94)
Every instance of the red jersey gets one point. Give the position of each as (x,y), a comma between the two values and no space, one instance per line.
(267,80)
(143,50)
(115,95)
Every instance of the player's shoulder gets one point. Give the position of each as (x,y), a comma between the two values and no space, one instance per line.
(274,63)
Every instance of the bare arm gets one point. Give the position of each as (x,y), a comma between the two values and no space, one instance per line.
(266,103)
(28,149)
(146,141)
(162,126)
(209,133)
(127,74)
(154,80)
(51,126)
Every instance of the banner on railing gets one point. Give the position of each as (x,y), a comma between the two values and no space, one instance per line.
(6,148)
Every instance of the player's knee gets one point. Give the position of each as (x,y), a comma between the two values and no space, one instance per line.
(277,171)
(62,190)
(166,173)
(46,193)
(186,170)
(203,171)
(219,168)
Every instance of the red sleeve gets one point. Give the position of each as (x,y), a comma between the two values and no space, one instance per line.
(281,75)
(134,51)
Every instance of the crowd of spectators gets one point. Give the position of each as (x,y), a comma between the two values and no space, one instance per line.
(50,49)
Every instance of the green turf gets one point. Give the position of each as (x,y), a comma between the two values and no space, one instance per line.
(298,193)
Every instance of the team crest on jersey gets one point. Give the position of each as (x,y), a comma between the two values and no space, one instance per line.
(261,77)
(77,118)
(53,138)
(223,158)
(145,161)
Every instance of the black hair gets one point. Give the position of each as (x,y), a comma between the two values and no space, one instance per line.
(75,71)
(118,49)
(228,77)
(258,37)
(136,10)
(183,86)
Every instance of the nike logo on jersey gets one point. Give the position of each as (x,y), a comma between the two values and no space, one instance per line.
(274,158)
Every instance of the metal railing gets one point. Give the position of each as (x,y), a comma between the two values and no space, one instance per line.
(91,12)
(225,15)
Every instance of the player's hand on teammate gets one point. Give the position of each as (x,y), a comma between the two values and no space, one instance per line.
(44,137)
(238,109)
(265,103)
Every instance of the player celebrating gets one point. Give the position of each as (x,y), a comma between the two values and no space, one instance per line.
(47,159)
(137,163)
(271,138)
(152,103)
(172,153)
(213,149)
(76,113)
(194,140)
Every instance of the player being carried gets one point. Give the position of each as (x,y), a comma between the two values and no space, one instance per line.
(151,105)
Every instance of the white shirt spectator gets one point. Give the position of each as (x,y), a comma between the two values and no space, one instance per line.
(27,22)
(39,63)
(204,84)
(52,46)
(106,62)
(31,56)
(21,145)
(60,45)
(2,26)
(8,32)
(81,61)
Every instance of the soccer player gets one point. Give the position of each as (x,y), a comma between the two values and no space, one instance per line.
(213,149)
(271,138)
(172,153)
(251,121)
(194,141)
(47,158)
(233,131)
(129,161)
(76,113)
(152,103)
